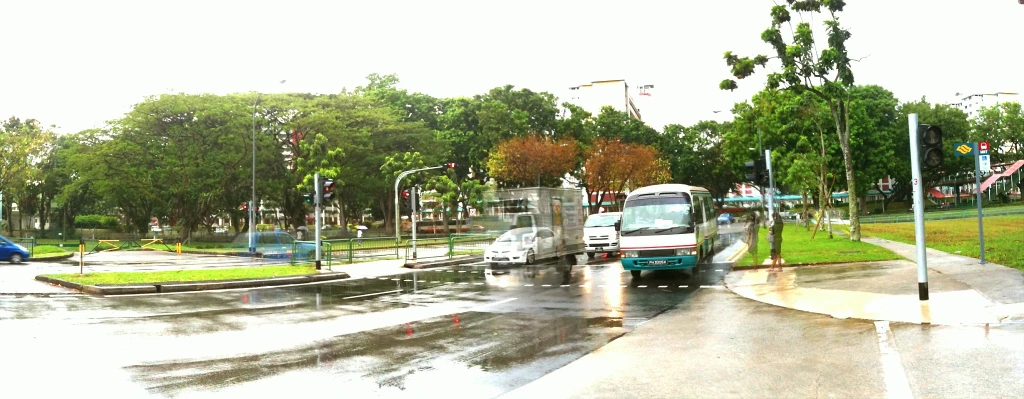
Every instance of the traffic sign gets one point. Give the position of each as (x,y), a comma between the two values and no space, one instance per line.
(962,149)
(983,147)
(985,164)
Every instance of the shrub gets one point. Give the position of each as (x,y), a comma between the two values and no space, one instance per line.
(96,222)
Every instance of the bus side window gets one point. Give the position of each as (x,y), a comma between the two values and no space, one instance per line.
(698,211)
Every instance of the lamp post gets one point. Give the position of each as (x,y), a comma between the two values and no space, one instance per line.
(252,202)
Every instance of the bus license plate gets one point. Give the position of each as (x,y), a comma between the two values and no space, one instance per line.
(657,262)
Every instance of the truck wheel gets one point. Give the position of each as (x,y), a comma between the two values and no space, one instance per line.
(635,273)
(15,258)
(590,255)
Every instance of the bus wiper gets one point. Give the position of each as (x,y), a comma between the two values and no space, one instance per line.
(670,228)
(627,232)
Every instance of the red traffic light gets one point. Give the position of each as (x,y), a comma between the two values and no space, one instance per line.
(244,207)
(405,193)
(450,165)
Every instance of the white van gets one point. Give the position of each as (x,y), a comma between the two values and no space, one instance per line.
(601,233)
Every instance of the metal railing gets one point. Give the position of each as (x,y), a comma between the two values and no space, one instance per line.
(29,243)
(945,215)
(355,249)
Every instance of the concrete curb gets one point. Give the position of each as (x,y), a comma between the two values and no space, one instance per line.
(443,263)
(163,288)
(51,258)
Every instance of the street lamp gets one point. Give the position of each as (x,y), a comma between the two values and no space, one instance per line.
(252,203)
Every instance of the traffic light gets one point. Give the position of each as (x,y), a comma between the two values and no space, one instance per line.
(757,172)
(308,198)
(244,207)
(929,146)
(328,189)
(449,165)
(405,194)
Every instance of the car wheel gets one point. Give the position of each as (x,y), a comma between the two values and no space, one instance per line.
(15,258)
(530,258)
(635,273)
(590,255)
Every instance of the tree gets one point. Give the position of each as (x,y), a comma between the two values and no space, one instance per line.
(1002,126)
(955,127)
(612,166)
(826,75)
(392,167)
(697,157)
(21,145)
(532,160)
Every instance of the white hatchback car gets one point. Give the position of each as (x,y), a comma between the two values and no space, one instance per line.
(522,246)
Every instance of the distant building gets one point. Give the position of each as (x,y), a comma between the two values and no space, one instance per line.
(604,93)
(971,104)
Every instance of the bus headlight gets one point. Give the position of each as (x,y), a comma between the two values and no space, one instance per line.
(630,254)
(686,251)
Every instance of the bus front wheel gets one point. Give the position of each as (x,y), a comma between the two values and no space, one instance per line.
(635,273)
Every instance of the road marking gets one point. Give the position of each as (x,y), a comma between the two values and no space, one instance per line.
(662,286)
(527,285)
(717,287)
(376,293)
(396,279)
(478,283)
(582,285)
(718,270)
(642,286)
(564,285)
(463,283)
(546,285)
(896,384)
(382,278)
(684,286)
(407,280)
(435,282)
(462,271)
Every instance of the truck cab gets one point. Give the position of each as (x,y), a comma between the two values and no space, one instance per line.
(601,233)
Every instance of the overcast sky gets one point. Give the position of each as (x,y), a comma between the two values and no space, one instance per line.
(77,64)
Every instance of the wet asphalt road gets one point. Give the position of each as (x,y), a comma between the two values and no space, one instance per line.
(482,331)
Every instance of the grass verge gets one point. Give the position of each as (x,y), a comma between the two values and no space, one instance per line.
(1003,238)
(799,249)
(182,276)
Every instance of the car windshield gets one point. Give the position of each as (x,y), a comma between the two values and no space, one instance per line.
(512,235)
(601,220)
(664,215)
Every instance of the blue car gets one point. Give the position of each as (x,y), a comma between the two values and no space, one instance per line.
(726,218)
(12,252)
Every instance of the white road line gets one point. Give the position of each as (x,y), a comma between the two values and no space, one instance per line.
(382,278)
(684,286)
(896,384)
(463,283)
(435,282)
(478,283)
(406,280)
(527,285)
(376,293)
(642,286)
(565,285)
(546,285)
(582,285)
(462,271)
(662,286)
(718,270)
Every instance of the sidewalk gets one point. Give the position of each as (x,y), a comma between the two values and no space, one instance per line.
(20,279)
(961,291)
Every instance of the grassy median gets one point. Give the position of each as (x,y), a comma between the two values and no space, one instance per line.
(799,249)
(1003,238)
(182,276)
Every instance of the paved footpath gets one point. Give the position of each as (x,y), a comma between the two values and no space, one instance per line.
(961,291)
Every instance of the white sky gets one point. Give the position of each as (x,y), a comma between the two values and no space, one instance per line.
(77,64)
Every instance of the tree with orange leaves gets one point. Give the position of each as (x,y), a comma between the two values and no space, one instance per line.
(612,166)
(532,160)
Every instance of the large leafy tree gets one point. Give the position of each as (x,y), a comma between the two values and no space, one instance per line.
(955,127)
(826,74)
(1002,126)
(22,144)
(532,160)
(697,157)
(613,166)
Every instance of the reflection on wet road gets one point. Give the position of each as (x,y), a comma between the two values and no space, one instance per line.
(486,331)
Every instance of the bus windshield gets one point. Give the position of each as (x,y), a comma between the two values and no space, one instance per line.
(652,216)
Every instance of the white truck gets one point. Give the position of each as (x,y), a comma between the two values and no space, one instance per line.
(543,223)
(601,233)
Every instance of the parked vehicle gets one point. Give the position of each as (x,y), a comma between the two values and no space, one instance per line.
(12,252)
(726,218)
(601,233)
(545,223)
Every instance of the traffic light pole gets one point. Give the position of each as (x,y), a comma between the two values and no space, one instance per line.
(316,216)
(398,215)
(915,168)
(977,186)
(412,217)
(771,183)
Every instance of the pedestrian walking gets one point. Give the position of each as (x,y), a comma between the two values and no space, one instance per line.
(751,229)
(359,235)
(775,242)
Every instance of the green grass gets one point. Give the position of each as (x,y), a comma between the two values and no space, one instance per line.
(122,278)
(799,249)
(1003,238)
(50,251)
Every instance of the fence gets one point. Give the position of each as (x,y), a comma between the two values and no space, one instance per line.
(945,215)
(29,243)
(355,249)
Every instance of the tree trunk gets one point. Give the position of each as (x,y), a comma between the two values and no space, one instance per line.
(803,213)
(842,119)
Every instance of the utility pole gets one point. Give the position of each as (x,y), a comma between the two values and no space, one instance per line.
(316,216)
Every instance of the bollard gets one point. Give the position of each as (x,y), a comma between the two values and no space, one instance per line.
(81,255)
(177,246)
